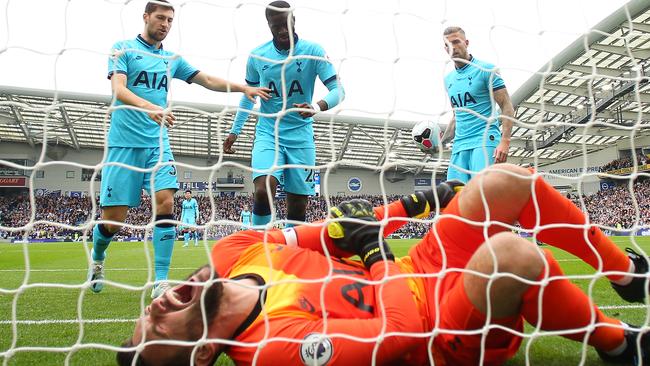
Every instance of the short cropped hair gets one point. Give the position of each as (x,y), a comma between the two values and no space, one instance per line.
(454,29)
(154,5)
(276,4)
(125,358)
(188,191)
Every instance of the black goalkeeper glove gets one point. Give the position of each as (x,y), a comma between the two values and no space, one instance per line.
(358,237)
(420,204)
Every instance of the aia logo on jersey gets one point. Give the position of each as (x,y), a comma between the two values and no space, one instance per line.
(151,80)
(459,101)
(294,88)
(316,349)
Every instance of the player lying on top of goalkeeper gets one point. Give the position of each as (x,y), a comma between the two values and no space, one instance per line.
(293,296)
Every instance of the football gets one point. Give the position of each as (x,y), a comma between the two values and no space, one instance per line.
(427,135)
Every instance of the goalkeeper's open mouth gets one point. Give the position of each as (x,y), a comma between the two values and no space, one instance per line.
(184,295)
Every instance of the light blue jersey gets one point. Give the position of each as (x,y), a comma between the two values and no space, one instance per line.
(149,72)
(266,67)
(246,217)
(469,91)
(190,211)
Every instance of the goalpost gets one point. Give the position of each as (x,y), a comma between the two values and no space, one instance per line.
(572,115)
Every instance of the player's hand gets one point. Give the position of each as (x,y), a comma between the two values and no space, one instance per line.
(161,116)
(228,142)
(501,152)
(420,204)
(305,114)
(362,236)
(252,92)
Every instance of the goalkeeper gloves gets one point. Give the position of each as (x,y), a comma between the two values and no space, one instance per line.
(362,238)
(420,204)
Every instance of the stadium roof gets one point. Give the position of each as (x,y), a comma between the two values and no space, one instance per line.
(591,95)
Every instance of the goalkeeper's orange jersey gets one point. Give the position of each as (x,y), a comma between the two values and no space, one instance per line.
(316,311)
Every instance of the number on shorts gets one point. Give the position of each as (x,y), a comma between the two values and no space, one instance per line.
(310,176)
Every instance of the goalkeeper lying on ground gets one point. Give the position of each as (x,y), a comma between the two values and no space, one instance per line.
(287,303)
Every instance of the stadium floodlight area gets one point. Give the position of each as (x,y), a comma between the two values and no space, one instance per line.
(592,96)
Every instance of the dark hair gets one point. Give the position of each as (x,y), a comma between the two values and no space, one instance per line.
(154,5)
(188,191)
(276,4)
(125,358)
(454,29)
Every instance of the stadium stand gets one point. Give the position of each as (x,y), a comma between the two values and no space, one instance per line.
(624,162)
(612,207)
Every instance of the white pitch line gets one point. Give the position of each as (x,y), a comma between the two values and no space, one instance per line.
(65,321)
(610,307)
(108,269)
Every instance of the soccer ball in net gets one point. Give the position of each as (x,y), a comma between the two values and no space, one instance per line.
(427,135)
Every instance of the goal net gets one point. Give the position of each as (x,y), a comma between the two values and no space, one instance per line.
(577,75)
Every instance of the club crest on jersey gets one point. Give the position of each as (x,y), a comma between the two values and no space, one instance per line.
(316,349)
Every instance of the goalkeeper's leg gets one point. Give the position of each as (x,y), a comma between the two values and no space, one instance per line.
(512,195)
(564,307)
(588,243)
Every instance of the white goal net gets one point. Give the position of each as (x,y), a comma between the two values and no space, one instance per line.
(577,74)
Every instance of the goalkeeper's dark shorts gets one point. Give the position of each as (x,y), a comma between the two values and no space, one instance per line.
(456,241)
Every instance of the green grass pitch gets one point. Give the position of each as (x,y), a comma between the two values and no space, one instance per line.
(47,314)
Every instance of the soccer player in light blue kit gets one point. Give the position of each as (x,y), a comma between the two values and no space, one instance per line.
(189,215)
(245,218)
(299,62)
(140,71)
(473,87)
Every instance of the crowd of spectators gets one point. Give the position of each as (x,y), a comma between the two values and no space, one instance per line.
(625,162)
(69,217)
(221,216)
(615,207)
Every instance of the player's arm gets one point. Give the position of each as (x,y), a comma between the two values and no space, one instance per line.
(126,96)
(332,99)
(221,85)
(395,311)
(502,98)
(245,106)
(450,131)
(318,237)
(329,78)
